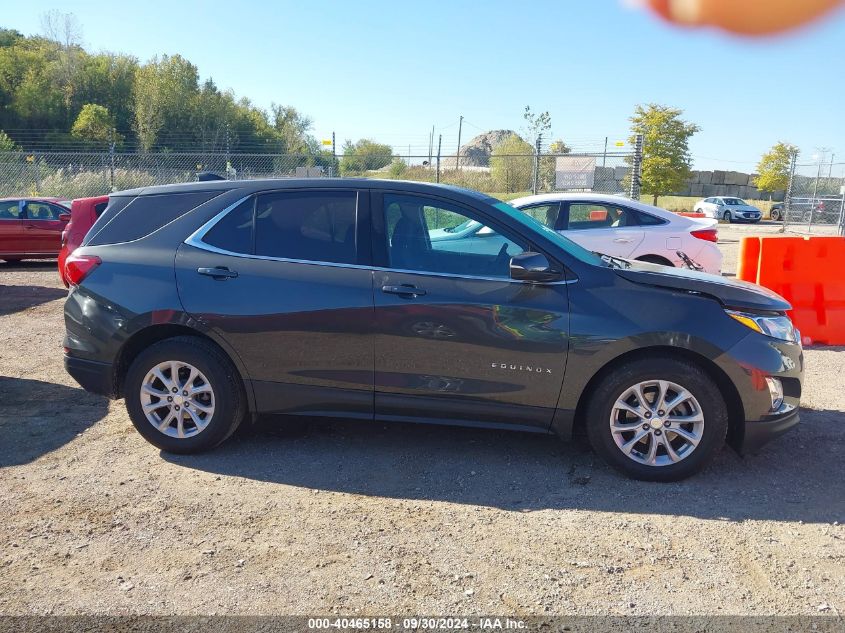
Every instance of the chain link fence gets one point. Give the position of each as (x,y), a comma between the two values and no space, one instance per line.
(84,174)
(815,199)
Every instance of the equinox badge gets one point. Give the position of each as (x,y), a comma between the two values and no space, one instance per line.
(537,370)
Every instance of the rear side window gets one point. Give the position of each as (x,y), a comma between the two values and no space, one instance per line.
(99,208)
(646,219)
(233,232)
(307,225)
(10,210)
(143,215)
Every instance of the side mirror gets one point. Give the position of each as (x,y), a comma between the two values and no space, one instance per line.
(532,267)
(64,217)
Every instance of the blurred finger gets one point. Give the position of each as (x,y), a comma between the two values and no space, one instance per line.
(748,17)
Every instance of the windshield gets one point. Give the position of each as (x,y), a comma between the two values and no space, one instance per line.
(734,201)
(553,236)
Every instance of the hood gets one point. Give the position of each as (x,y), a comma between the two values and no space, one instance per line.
(731,293)
(744,207)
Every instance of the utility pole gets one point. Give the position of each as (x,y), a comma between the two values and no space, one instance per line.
(604,156)
(439,142)
(787,205)
(430,146)
(228,162)
(334,156)
(830,169)
(458,155)
(112,134)
(537,146)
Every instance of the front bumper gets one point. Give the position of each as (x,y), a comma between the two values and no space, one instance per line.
(762,431)
(748,364)
(92,375)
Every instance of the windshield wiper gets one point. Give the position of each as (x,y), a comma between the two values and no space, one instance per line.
(613,262)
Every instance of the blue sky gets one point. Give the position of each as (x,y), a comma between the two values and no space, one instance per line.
(390,70)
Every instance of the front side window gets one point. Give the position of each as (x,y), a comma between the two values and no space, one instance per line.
(429,235)
(41,211)
(545,213)
(588,215)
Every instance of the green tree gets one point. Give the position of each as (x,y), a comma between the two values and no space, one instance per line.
(512,165)
(7,144)
(398,168)
(536,123)
(162,89)
(666,159)
(365,155)
(94,125)
(773,168)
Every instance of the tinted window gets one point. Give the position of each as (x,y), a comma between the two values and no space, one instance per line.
(233,232)
(433,236)
(588,215)
(308,225)
(9,210)
(143,215)
(646,219)
(99,208)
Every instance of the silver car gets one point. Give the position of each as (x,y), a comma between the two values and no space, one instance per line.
(728,209)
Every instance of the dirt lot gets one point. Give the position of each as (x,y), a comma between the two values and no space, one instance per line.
(366,518)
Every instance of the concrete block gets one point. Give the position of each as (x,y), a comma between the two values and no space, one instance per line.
(705,177)
(718,178)
(697,190)
(620,172)
(736,178)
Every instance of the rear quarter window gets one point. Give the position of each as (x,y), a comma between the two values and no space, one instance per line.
(140,216)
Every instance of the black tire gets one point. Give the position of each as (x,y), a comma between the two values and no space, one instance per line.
(655,259)
(775,215)
(727,217)
(229,397)
(686,374)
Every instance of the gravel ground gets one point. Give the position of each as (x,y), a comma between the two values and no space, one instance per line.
(356,518)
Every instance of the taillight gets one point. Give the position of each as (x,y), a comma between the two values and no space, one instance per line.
(78,267)
(64,238)
(709,235)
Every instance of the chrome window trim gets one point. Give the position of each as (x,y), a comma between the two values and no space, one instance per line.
(195,240)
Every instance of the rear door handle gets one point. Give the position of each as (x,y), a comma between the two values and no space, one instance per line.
(218,272)
(622,240)
(404,290)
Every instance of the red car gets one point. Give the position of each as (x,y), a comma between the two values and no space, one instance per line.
(83,213)
(31,228)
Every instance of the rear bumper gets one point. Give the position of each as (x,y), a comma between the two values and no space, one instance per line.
(759,433)
(91,375)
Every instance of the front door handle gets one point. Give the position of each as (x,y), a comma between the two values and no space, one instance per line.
(405,290)
(218,272)
(622,240)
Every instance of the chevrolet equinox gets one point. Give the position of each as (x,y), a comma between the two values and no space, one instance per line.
(204,304)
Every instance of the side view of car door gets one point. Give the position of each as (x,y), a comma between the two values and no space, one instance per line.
(456,338)
(602,227)
(11,229)
(283,278)
(42,227)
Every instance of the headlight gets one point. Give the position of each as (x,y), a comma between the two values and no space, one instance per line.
(775,326)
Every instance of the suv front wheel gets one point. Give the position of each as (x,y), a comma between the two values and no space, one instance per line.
(184,395)
(657,419)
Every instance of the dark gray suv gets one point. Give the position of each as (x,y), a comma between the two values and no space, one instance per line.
(208,303)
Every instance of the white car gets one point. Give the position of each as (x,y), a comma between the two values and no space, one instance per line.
(626,228)
(729,209)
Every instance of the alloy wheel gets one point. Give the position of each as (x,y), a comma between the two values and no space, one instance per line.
(657,423)
(177,399)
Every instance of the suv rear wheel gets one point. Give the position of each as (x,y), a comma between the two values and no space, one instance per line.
(657,419)
(184,395)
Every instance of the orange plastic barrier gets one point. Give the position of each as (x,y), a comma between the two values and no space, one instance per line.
(809,272)
(689,214)
(598,215)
